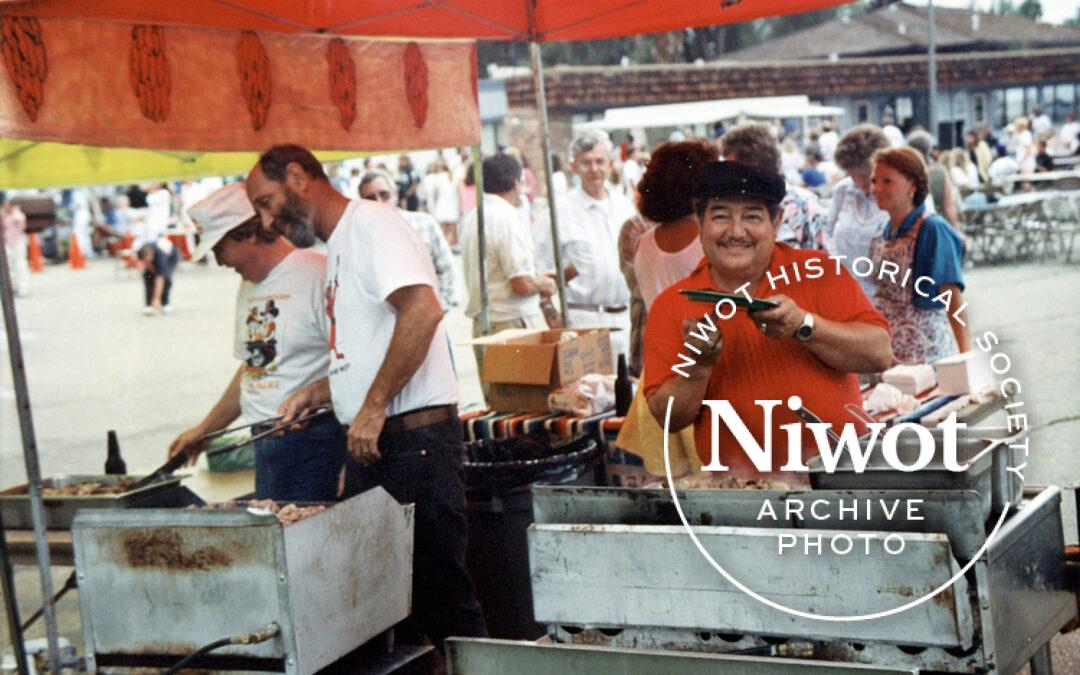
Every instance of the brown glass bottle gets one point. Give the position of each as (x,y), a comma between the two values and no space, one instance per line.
(114,463)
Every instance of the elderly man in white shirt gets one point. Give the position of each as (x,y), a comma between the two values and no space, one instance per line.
(589,222)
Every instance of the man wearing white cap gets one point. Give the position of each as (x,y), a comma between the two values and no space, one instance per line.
(281,339)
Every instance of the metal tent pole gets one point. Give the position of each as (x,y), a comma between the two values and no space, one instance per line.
(30,456)
(11,605)
(545,139)
(481,236)
(931,35)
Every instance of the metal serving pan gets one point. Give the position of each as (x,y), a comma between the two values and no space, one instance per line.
(60,511)
(984,453)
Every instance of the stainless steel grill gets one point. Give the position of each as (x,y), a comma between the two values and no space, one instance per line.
(614,570)
(155,585)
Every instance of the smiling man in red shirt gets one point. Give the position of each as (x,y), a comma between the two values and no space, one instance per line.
(822,331)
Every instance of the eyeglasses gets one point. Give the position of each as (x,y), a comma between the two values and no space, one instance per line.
(380,196)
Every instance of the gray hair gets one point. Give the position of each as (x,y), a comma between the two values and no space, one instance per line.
(587,140)
(922,141)
(375,174)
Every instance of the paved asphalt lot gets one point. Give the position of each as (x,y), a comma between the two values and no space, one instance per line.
(96,363)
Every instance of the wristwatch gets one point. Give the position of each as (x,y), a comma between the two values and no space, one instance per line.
(805,331)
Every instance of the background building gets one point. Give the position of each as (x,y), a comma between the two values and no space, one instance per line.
(991,69)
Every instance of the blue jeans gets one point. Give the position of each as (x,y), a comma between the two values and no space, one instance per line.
(423,467)
(301,466)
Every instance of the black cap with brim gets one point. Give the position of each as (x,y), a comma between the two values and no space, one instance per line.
(736,179)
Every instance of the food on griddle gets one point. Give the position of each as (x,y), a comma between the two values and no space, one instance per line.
(89,489)
(287,514)
(713,481)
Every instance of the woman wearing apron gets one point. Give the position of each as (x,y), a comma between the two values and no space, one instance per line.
(918,264)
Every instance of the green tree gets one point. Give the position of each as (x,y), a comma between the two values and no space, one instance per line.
(1032,9)
(708,43)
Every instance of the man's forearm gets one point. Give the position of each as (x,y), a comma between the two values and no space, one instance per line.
(851,347)
(413,332)
(227,407)
(319,392)
(686,393)
(527,286)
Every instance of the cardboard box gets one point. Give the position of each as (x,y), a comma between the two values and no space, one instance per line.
(522,367)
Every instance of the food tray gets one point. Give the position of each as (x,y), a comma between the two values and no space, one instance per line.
(60,511)
(984,452)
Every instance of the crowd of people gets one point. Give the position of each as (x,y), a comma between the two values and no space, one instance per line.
(856,278)
(889,222)
(357,327)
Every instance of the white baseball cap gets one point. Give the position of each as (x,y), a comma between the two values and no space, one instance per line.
(224,210)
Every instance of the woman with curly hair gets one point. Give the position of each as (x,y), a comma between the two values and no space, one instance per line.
(653,258)
(672,249)
(922,296)
(854,218)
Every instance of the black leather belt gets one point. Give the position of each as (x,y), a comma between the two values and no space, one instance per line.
(421,417)
(596,308)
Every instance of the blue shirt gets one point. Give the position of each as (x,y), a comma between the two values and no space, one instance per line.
(812,177)
(939,254)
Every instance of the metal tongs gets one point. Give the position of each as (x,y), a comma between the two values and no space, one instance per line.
(809,417)
(306,416)
(180,459)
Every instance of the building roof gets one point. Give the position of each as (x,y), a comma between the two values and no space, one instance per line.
(903,29)
(599,87)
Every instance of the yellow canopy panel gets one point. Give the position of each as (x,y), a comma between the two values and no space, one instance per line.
(34,164)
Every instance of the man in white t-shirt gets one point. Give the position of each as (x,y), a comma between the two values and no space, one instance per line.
(632,171)
(828,140)
(378,186)
(891,131)
(158,212)
(281,342)
(390,379)
(1067,135)
(513,286)
(590,219)
(1040,122)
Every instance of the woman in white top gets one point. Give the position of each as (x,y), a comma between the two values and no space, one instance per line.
(961,170)
(1025,146)
(854,218)
(672,249)
(652,259)
(442,199)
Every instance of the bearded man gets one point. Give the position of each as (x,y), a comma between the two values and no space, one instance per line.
(391,378)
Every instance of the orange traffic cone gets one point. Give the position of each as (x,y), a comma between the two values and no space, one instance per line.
(33,254)
(76,259)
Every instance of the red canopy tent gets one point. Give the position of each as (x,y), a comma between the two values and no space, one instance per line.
(24,91)
(528,20)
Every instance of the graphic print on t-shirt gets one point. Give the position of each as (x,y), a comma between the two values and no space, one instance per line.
(261,340)
(331,295)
